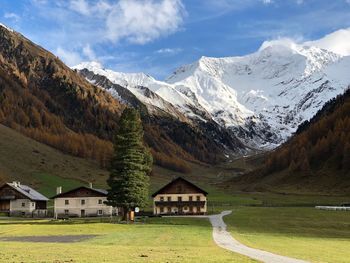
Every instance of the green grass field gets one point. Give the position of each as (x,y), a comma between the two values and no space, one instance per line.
(305,233)
(169,240)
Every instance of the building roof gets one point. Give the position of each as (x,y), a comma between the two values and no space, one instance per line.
(99,191)
(27,191)
(180,179)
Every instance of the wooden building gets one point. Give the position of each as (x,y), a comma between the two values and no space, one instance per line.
(180,197)
(82,202)
(17,199)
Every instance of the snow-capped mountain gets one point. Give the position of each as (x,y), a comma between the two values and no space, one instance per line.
(261,97)
(141,85)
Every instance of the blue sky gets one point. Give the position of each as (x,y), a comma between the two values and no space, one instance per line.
(157,36)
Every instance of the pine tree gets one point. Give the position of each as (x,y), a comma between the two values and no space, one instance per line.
(130,165)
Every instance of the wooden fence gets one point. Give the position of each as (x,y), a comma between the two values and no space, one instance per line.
(340,208)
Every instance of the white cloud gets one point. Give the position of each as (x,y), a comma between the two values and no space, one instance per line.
(83,7)
(13,16)
(143,21)
(80,6)
(337,42)
(71,58)
(39,2)
(135,21)
(169,51)
(287,42)
(89,52)
(266,2)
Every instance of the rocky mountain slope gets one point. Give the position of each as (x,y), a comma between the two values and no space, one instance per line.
(261,97)
(316,159)
(46,100)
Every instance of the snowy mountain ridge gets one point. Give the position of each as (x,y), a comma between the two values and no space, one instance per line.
(261,97)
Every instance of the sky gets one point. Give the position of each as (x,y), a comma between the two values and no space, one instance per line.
(157,36)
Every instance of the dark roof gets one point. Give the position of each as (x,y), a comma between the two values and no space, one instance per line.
(100,191)
(27,191)
(182,179)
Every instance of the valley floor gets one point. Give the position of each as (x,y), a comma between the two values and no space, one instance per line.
(158,240)
(281,223)
(297,232)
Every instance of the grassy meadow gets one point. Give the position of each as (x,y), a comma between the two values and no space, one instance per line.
(300,232)
(157,240)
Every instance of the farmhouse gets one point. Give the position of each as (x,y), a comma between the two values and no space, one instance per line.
(180,197)
(17,199)
(81,202)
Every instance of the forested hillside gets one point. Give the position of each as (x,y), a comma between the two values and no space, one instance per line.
(316,158)
(44,99)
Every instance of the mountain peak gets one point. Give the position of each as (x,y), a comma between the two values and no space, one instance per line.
(280,44)
(90,65)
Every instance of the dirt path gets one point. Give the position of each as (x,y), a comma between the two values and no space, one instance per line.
(224,239)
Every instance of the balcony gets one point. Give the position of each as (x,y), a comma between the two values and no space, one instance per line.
(180,203)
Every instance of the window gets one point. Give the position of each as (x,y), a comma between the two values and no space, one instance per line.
(169,209)
(23,204)
(179,199)
(100,202)
(169,198)
(82,202)
(99,212)
(66,212)
(198,209)
(66,202)
(162,209)
(191,209)
(198,197)
(190,198)
(162,198)
(33,204)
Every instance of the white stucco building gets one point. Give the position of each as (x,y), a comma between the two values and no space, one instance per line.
(82,202)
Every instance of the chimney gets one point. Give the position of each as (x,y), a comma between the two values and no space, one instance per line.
(14,183)
(59,190)
(18,184)
(90,185)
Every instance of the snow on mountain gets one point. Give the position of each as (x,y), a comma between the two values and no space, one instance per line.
(137,82)
(337,42)
(261,97)
(276,88)
(6,27)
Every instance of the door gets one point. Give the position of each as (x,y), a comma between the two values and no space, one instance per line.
(82,213)
(5,205)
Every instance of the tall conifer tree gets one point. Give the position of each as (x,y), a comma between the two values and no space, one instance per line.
(130,166)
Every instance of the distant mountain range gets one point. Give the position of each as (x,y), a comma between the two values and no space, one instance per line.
(260,98)
(46,100)
(204,112)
